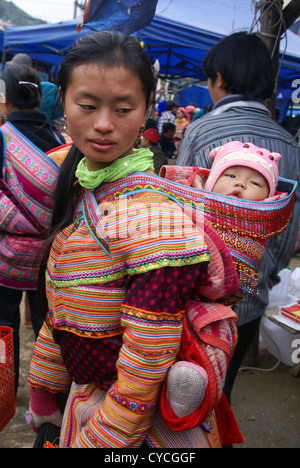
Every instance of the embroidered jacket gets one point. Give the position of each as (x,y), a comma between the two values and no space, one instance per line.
(118,280)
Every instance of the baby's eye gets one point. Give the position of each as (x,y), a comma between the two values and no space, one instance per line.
(232,176)
(255,183)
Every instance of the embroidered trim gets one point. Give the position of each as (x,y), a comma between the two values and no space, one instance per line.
(132,405)
(152,316)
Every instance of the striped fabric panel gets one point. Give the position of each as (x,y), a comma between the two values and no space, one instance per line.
(160,436)
(80,428)
(169,328)
(77,259)
(89,311)
(47,369)
(149,232)
(244,226)
(85,400)
(129,407)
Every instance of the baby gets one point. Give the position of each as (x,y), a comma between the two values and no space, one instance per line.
(246,172)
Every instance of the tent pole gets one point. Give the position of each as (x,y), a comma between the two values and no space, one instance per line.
(3,57)
(275,20)
(168,63)
(270,34)
(291,13)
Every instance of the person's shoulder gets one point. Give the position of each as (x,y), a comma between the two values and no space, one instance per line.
(198,128)
(283,135)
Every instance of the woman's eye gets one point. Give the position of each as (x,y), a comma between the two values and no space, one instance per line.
(124,110)
(87,107)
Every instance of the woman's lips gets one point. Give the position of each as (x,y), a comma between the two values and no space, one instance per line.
(101,145)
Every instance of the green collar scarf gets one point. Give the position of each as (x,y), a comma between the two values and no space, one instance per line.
(140,161)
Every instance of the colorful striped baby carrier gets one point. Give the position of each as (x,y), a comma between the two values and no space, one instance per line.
(244,226)
(26,199)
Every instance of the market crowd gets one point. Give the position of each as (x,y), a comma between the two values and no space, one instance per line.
(117,320)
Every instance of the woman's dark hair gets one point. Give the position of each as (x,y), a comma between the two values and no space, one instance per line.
(22,86)
(109,49)
(103,48)
(245,64)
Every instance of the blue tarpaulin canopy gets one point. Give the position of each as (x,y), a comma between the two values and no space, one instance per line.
(182,33)
(179,36)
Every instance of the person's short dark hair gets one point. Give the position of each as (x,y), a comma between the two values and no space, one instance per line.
(151,123)
(23,86)
(170,105)
(245,64)
(168,126)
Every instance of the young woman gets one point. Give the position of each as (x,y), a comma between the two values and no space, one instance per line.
(121,265)
(182,120)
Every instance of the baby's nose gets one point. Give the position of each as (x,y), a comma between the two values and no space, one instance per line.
(240,183)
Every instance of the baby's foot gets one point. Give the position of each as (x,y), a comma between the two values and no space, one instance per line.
(187,385)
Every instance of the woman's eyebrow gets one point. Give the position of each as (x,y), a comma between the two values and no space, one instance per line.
(124,97)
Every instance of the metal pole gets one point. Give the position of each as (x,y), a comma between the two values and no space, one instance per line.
(271,26)
(81,6)
(75,9)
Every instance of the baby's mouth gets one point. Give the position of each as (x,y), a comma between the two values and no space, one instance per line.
(236,194)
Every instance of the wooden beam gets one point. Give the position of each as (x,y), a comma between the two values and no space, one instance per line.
(270,34)
(291,13)
(271,31)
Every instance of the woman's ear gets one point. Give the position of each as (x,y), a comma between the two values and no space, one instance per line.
(61,96)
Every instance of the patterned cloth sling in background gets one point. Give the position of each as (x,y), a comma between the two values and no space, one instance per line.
(26,194)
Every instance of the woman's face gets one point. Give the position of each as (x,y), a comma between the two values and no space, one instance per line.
(105,109)
(179,114)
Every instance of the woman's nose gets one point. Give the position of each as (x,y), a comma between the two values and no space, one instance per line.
(103,122)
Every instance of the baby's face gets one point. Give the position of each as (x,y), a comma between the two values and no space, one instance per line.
(242,182)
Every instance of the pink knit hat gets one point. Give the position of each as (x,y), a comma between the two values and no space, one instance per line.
(236,153)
